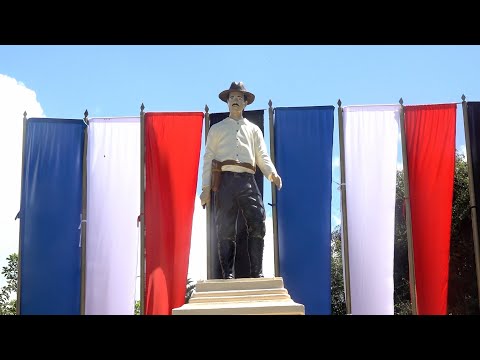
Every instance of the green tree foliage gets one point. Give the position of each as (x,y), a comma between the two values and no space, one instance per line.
(10,272)
(337,285)
(401,283)
(462,285)
(188,294)
(462,282)
(191,285)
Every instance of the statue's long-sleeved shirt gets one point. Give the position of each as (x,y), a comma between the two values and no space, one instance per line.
(239,140)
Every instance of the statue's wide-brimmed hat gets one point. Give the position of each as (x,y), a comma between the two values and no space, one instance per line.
(237,86)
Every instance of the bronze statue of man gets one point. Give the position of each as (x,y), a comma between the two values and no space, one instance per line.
(236,147)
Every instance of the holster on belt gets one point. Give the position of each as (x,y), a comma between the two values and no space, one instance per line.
(216,175)
(217,171)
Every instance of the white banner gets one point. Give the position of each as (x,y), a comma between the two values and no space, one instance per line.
(113,205)
(371,137)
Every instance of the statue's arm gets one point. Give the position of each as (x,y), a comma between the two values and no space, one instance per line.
(262,159)
(207,158)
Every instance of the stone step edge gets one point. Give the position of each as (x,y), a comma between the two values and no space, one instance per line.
(248,298)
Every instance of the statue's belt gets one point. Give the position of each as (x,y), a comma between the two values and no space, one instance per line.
(217,170)
(219,165)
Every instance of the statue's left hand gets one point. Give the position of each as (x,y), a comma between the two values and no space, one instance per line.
(277,180)
(205,196)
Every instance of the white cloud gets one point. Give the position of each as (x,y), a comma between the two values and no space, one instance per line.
(15,99)
(336,171)
(336,162)
(335,220)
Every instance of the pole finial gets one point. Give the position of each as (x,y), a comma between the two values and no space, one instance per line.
(400,101)
(25,114)
(339,102)
(142,107)
(85,118)
(206,108)
(270,103)
(463,97)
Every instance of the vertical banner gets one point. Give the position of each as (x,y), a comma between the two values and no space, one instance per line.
(50,214)
(473,111)
(242,264)
(172,153)
(430,140)
(113,204)
(303,155)
(370,147)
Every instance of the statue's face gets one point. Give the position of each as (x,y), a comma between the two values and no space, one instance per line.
(236,102)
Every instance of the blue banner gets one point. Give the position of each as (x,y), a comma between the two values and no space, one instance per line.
(51,204)
(303,158)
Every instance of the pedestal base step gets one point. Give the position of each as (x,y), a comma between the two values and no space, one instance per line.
(259,296)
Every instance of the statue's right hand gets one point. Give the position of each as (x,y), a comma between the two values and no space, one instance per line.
(205,196)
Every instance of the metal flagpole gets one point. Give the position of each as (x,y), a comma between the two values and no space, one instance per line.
(473,205)
(208,207)
(20,214)
(142,210)
(83,223)
(346,260)
(408,218)
(274,193)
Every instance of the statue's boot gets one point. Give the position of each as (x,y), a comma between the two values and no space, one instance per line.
(255,252)
(226,254)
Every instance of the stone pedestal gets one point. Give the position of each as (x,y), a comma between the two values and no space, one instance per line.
(263,296)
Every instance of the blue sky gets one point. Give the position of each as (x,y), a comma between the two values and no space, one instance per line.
(62,81)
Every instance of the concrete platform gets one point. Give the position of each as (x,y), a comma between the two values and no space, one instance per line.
(263,296)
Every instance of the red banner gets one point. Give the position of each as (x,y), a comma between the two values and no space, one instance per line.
(430,139)
(172,153)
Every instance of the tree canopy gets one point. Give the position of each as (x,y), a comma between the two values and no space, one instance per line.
(462,282)
(8,304)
